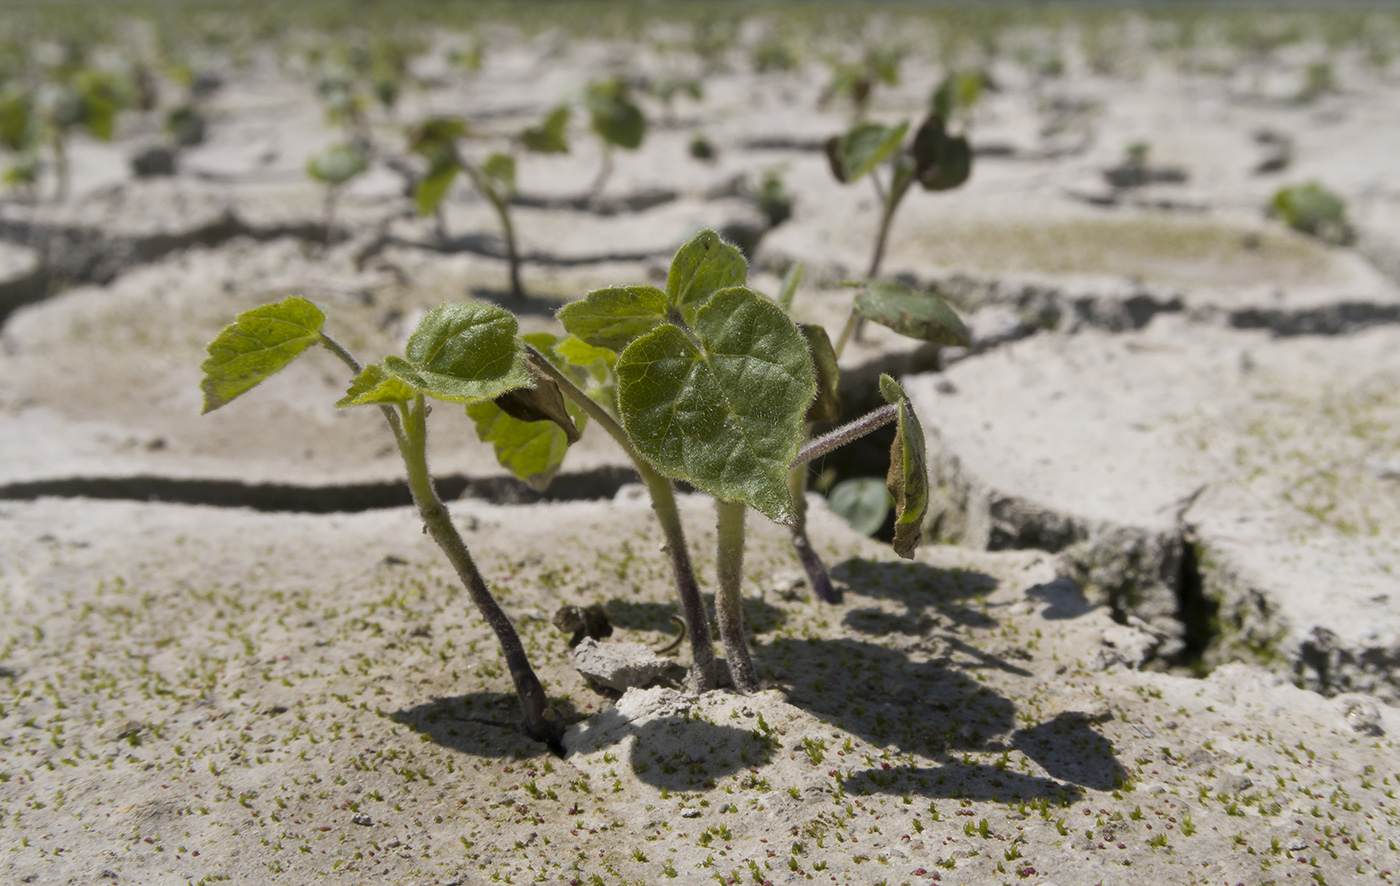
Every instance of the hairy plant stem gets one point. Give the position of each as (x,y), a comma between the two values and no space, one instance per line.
(839,437)
(729,603)
(812,564)
(604,171)
(663,504)
(409,425)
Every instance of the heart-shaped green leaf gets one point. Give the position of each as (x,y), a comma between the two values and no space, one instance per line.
(463,352)
(862,502)
(375,387)
(941,161)
(827,405)
(862,149)
(920,315)
(256,346)
(721,404)
(907,479)
(613,318)
(531,450)
(337,164)
(551,136)
(702,266)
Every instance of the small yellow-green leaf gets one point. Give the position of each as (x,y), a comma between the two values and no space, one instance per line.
(921,315)
(827,405)
(375,387)
(463,352)
(580,353)
(433,187)
(613,318)
(721,404)
(907,479)
(702,266)
(530,450)
(256,346)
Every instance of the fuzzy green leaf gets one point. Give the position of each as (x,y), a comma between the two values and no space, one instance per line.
(337,164)
(862,502)
(551,136)
(531,450)
(463,352)
(256,346)
(920,315)
(827,405)
(613,318)
(721,405)
(375,387)
(907,479)
(862,149)
(702,266)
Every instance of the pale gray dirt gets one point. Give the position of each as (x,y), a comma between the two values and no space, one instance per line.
(1269,457)
(201,693)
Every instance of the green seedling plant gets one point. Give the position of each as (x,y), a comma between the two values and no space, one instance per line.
(335,167)
(616,119)
(936,161)
(436,141)
(1312,209)
(45,117)
(460,353)
(714,386)
(856,81)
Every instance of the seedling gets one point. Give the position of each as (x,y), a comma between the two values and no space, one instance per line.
(460,353)
(494,177)
(335,167)
(616,120)
(714,386)
(1314,210)
(74,98)
(934,159)
(857,80)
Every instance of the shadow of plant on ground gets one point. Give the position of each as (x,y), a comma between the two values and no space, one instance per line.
(937,707)
(484,724)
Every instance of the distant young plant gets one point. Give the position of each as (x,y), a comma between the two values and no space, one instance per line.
(335,167)
(668,88)
(460,353)
(1314,210)
(714,386)
(856,81)
(436,140)
(933,159)
(617,121)
(72,98)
